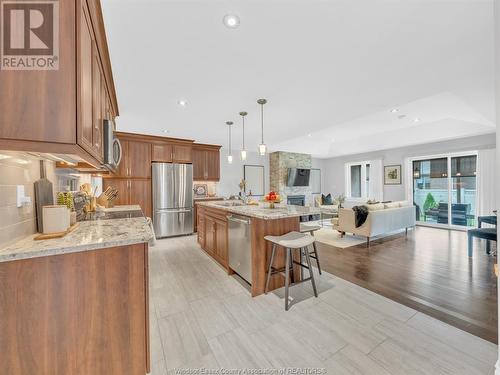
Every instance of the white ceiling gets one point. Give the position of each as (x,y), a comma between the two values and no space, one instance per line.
(329,69)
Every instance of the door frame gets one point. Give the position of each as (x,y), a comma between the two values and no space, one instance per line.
(411,182)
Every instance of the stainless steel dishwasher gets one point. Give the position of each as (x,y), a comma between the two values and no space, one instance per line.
(240,246)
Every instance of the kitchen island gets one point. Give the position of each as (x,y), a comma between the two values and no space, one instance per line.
(213,235)
(78,304)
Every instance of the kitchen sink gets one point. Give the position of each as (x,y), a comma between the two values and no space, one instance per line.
(229,203)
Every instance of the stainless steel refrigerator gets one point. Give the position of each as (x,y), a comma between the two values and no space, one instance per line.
(172,199)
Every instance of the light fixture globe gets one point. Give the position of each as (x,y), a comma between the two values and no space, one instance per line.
(243,152)
(262,146)
(262,149)
(229,153)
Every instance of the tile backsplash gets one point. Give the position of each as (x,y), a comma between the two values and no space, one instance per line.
(19,169)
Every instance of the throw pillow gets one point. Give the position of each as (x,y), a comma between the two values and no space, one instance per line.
(327,199)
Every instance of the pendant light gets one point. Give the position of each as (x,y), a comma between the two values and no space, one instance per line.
(262,146)
(243,150)
(230,153)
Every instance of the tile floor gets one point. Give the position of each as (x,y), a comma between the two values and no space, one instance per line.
(202,318)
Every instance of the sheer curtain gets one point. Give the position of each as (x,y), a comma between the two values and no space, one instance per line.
(485,178)
(376,180)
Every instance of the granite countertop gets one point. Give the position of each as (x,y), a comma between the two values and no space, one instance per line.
(89,235)
(262,211)
(207,198)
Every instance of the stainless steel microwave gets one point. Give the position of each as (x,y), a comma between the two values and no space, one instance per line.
(112,147)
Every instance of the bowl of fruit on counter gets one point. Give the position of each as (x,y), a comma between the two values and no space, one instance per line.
(272,198)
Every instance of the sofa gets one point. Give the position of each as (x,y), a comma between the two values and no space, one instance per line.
(382,218)
(327,208)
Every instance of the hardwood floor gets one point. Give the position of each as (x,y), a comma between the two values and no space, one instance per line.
(203,318)
(428,271)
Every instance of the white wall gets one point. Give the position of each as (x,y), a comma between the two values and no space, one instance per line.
(232,174)
(335,172)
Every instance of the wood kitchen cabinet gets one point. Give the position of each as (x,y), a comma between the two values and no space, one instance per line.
(136,159)
(60,111)
(131,191)
(221,242)
(206,162)
(172,152)
(214,234)
(78,313)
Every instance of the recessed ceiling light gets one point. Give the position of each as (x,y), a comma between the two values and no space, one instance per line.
(182,102)
(416,120)
(231,21)
(309,135)
(394,110)
(166,131)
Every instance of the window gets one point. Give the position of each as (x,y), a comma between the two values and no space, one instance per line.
(444,190)
(358,180)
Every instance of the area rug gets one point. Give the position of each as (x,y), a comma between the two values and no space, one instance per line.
(330,236)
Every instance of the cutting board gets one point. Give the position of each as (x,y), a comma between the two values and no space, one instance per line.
(44,195)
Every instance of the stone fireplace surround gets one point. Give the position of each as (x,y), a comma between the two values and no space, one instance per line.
(279,162)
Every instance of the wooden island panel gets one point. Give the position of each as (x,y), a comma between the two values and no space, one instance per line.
(79,313)
(261,252)
(213,239)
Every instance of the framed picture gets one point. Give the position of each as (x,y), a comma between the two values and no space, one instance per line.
(254,179)
(200,190)
(392,175)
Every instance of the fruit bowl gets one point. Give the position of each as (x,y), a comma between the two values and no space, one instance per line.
(272,198)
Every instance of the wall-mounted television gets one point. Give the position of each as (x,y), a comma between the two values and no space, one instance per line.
(298,177)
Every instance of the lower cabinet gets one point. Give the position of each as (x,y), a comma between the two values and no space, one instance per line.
(78,313)
(131,191)
(212,235)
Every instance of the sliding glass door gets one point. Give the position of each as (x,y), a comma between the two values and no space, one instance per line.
(444,190)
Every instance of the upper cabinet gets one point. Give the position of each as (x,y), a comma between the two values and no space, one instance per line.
(206,162)
(62,111)
(171,150)
(136,157)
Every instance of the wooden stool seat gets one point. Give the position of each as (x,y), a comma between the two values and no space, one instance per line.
(292,240)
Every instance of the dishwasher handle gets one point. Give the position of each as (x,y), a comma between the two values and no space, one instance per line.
(238,220)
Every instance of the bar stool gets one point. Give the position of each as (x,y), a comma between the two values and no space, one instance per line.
(291,241)
(305,228)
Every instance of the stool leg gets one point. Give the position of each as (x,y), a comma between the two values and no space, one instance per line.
(469,245)
(488,247)
(287,276)
(317,257)
(301,268)
(271,261)
(311,274)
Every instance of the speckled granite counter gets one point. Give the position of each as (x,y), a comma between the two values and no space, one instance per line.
(263,211)
(90,235)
